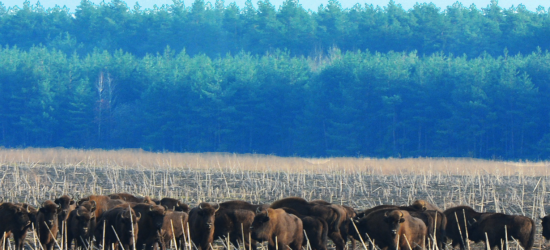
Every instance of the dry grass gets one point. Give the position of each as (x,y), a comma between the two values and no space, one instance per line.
(142,160)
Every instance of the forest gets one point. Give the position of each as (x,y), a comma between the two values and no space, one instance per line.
(366,81)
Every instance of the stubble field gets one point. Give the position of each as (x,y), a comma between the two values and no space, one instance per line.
(35,175)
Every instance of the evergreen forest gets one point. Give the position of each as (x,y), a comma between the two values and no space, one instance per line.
(376,81)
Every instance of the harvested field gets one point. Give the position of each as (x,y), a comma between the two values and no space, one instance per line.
(34,175)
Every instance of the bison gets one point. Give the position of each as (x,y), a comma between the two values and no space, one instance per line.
(422,205)
(545,222)
(174,204)
(46,224)
(315,230)
(15,218)
(67,205)
(495,227)
(235,223)
(152,218)
(102,203)
(201,225)
(80,225)
(390,228)
(174,229)
(456,229)
(330,213)
(278,228)
(119,225)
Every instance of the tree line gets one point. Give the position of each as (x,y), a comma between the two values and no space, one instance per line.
(395,104)
(216,28)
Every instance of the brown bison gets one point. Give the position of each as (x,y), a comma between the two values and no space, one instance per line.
(80,225)
(201,225)
(495,227)
(174,204)
(456,228)
(278,228)
(330,213)
(316,230)
(102,203)
(126,197)
(152,219)
(15,218)
(345,222)
(119,225)
(235,223)
(46,224)
(174,229)
(422,205)
(391,228)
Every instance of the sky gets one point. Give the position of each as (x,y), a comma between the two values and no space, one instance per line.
(307,4)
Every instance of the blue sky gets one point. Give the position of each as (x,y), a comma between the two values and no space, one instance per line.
(308,4)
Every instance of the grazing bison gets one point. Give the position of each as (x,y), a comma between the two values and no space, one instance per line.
(201,225)
(174,229)
(316,230)
(46,224)
(332,214)
(456,224)
(174,204)
(235,223)
(80,225)
(152,218)
(391,228)
(278,228)
(123,221)
(422,205)
(495,227)
(15,218)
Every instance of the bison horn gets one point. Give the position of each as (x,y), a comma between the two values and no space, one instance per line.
(386,214)
(217,208)
(150,208)
(27,207)
(138,217)
(401,214)
(267,212)
(200,207)
(77,213)
(258,210)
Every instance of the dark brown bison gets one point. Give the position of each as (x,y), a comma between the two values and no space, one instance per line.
(174,229)
(495,227)
(174,204)
(456,224)
(278,228)
(119,225)
(545,222)
(235,223)
(152,218)
(316,230)
(345,223)
(46,224)
(391,228)
(80,225)
(67,205)
(201,225)
(330,213)
(422,205)
(15,218)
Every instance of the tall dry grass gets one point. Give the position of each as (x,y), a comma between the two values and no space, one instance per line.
(143,160)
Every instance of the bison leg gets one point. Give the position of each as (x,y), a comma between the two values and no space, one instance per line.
(337,239)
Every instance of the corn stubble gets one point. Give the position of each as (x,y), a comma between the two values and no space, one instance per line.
(34,175)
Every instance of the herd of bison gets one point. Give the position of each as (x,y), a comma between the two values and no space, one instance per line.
(132,222)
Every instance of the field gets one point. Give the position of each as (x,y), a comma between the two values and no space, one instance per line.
(34,175)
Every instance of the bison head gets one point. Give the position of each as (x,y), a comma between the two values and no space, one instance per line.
(207,213)
(394,220)
(419,205)
(48,213)
(157,213)
(261,226)
(84,219)
(127,223)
